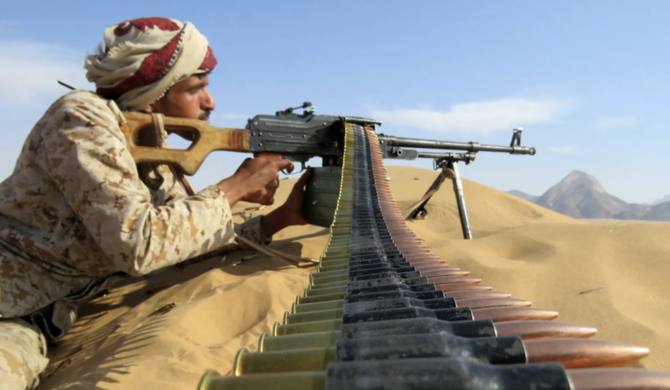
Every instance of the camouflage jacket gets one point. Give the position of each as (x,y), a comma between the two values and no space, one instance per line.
(77,210)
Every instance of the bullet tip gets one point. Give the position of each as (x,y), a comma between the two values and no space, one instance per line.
(479,303)
(504,314)
(534,330)
(619,379)
(577,353)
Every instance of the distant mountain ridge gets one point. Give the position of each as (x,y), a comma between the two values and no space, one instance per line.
(662,200)
(580,195)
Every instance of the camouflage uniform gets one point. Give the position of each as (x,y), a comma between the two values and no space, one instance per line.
(77,213)
(22,354)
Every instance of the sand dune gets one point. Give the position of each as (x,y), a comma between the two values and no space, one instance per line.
(132,338)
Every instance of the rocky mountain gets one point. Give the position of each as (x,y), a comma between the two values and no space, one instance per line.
(580,195)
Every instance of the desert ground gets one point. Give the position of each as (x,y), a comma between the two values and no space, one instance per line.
(163,331)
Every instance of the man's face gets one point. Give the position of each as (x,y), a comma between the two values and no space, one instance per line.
(187,99)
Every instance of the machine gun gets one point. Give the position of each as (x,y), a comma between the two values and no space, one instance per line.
(297,137)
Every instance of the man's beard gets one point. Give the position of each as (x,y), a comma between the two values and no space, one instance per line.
(205,115)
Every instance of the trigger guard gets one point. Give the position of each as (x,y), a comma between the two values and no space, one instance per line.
(302,169)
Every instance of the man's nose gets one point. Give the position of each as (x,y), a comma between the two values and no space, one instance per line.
(208,102)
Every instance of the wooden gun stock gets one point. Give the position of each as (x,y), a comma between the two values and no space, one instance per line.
(206,139)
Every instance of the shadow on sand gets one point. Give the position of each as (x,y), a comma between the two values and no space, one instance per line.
(99,349)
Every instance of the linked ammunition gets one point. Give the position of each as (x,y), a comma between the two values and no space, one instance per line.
(397,303)
(443,373)
(399,293)
(409,278)
(510,313)
(490,350)
(426,299)
(375,273)
(527,330)
(345,265)
(456,314)
(396,287)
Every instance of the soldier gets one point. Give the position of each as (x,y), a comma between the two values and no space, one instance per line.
(77,213)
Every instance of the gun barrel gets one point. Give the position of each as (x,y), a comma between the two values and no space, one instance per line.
(467,146)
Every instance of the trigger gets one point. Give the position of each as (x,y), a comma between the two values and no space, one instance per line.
(302,168)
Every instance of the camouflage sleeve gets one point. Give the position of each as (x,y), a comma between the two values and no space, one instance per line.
(251,230)
(88,160)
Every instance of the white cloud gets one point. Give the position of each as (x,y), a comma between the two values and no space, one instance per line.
(479,117)
(563,149)
(30,71)
(613,122)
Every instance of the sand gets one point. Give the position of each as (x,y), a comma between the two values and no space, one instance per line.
(165,330)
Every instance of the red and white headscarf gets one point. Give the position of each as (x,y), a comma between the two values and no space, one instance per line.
(144,57)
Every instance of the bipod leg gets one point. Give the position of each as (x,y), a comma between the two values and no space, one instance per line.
(460,199)
(419,207)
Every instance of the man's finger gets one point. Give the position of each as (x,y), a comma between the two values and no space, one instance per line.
(286,165)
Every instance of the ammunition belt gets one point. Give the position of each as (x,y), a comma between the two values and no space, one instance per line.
(384,312)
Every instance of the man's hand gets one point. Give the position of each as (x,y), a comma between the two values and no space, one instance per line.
(256,180)
(290,213)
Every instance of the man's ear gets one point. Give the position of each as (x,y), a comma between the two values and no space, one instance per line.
(148,109)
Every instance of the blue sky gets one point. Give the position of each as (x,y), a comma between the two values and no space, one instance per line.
(588,81)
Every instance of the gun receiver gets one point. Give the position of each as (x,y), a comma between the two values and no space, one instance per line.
(299,137)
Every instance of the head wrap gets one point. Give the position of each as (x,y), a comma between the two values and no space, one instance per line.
(144,57)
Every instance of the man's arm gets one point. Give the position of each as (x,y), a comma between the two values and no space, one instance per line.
(290,213)
(260,229)
(88,160)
